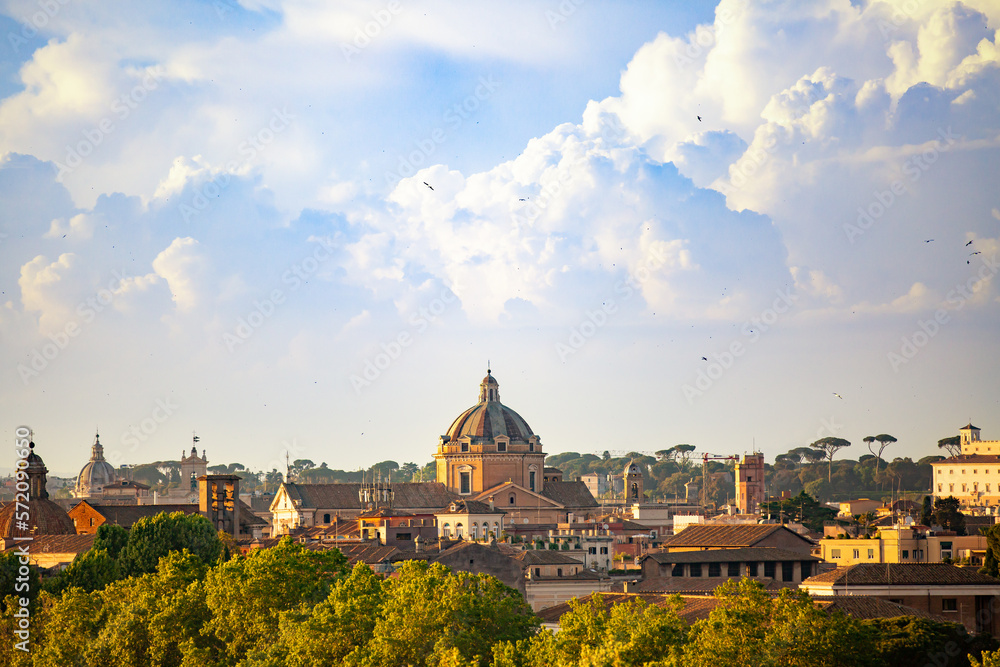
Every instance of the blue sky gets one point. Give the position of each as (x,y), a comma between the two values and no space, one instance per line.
(305,227)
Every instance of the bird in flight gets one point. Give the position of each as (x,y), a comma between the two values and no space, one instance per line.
(978,252)
(522,200)
(928,240)
(969,243)
(704,358)
(428,185)
(838,395)
(699,119)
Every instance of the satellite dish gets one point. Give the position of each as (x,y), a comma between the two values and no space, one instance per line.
(606,526)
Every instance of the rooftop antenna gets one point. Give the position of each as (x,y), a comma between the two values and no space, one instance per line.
(288,467)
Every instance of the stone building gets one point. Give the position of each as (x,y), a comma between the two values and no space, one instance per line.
(96,474)
(974,475)
(33,513)
(489,455)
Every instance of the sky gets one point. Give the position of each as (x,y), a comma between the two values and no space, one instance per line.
(306,228)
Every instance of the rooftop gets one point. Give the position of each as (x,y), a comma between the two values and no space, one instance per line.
(900,574)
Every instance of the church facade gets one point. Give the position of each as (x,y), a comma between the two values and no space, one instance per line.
(489,454)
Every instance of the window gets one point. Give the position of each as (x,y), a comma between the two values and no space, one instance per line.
(446,530)
(733,570)
(466,482)
(951,471)
(834,553)
(975,472)
(531,446)
(949,604)
(403,537)
(806,569)
(531,480)
(472,531)
(502,446)
(906,553)
(559,572)
(604,550)
(459,530)
(871,553)
(326,518)
(769,569)
(714,570)
(592,551)
(939,486)
(678,570)
(465,446)
(512,500)
(538,571)
(787,570)
(856,554)
(751,569)
(964,487)
(951,487)
(695,569)
(963,471)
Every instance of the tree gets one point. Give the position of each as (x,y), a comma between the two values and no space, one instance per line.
(9,572)
(927,511)
(112,538)
(151,538)
(248,594)
(683,456)
(948,516)
(748,628)
(883,440)
(803,507)
(91,570)
(952,445)
(829,447)
(428,610)
(911,640)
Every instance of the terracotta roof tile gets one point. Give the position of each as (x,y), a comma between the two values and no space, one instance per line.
(569,494)
(917,574)
(744,554)
(412,495)
(742,535)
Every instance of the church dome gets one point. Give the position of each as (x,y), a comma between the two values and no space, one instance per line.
(97,474)
(489,418)
(44,516)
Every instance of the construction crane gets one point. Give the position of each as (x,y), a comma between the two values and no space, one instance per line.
(705,458)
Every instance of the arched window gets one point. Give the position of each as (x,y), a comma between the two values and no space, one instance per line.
(512,499)
(496,530)
(472,531)
(459,530)
(446,530)
(326,518)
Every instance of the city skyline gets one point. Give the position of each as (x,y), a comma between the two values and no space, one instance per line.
(309,229)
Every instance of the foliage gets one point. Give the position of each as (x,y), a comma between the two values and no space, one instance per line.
(247,594)
(911,640)
(947,514)
(927,511)
(91,571)
(953,445)
(10,566)
(749,628)
(112,538)
(830,446)
(803,508)
(151,538)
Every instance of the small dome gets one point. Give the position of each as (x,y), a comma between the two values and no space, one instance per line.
(97,474)
(44,516)
(489,418)
(633,468)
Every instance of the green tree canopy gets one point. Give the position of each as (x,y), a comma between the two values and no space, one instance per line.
(151,538)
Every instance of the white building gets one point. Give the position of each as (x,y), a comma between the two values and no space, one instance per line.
(974,475)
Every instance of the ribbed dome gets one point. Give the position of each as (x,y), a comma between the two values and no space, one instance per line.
(97,474)
(44,516)
(489,418)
